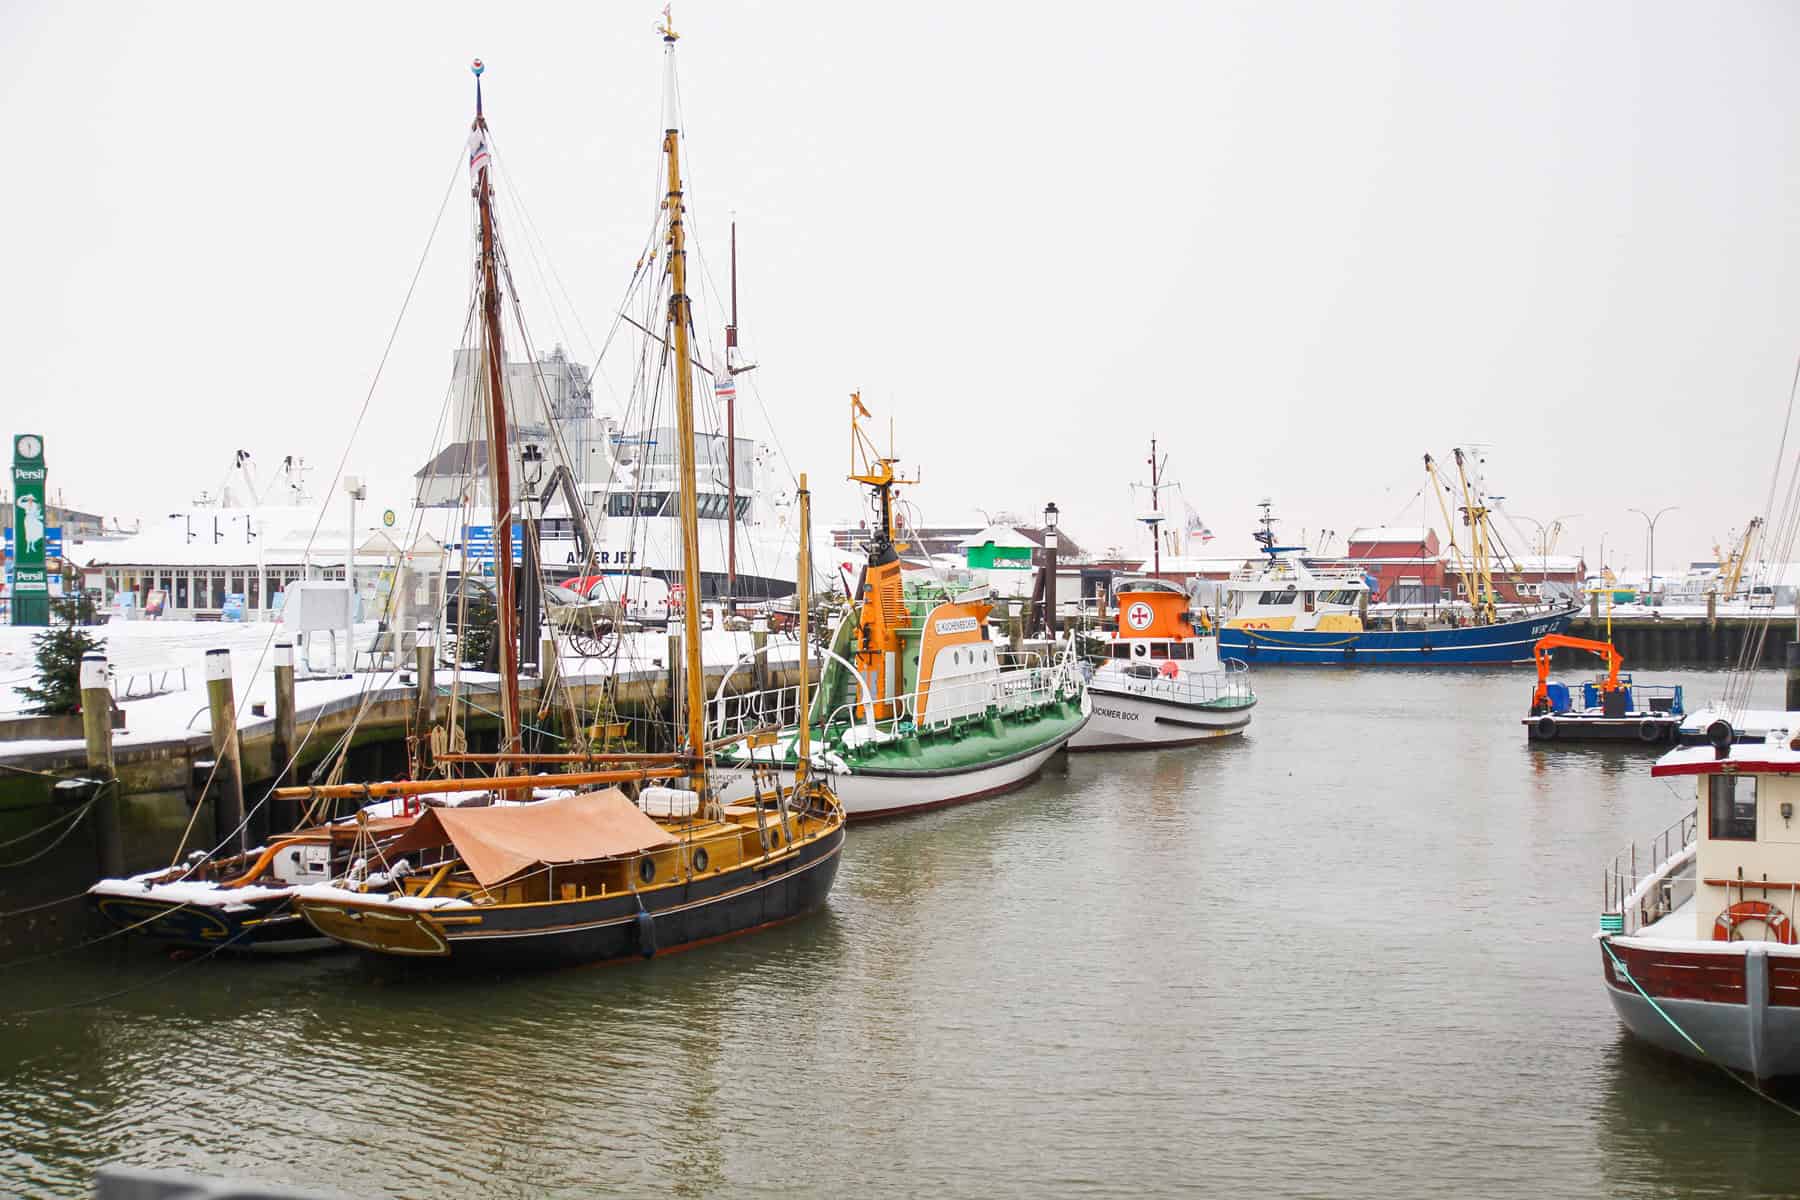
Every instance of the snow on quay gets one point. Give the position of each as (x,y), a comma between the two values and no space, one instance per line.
(163,650)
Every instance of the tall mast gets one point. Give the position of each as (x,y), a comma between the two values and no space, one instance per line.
(499,450)
(679,316)
(1155,507)
(731,435)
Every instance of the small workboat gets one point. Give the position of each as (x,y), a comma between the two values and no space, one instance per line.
(918,706)
(1609,708)
(600,875)
(1161,682)
(1699,952)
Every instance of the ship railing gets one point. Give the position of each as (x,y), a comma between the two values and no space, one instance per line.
(768,708)
(1231,682)
(1645,884)
(1010,691)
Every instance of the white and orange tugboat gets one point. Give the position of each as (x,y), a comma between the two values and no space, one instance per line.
(1162,682)
(1699,953)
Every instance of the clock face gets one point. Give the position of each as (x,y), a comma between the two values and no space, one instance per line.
(30,446)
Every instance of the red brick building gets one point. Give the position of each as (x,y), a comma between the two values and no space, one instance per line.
(1404,562)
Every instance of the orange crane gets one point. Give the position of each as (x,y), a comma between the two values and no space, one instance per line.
(1540,699)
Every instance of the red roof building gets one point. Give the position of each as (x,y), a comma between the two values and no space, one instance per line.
(1403,561)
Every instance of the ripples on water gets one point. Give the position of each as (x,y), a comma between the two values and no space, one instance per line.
(1348,955)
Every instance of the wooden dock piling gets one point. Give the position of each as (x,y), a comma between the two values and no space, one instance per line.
(96,725)
(228,776)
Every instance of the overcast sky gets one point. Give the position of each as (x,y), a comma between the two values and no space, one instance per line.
(1301,244)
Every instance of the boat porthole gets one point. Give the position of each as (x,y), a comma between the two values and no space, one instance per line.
(700,859)
(647,869)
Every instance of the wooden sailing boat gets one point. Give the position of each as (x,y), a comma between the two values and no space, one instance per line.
(598,874)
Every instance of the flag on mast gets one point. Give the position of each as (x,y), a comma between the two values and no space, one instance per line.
(725,385)
(478,153)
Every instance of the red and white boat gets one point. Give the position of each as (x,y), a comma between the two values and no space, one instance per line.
(1162,683)
(1699,952)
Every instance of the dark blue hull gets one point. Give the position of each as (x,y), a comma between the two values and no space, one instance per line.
(1507,642)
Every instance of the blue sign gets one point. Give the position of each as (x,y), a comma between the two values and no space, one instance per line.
(478,542)
(234,607)
(53,548)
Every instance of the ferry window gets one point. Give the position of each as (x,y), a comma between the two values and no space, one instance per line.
(181,584)
(1732,801)
(1121,650)
(1276,598)
(743,507)
(1159,649)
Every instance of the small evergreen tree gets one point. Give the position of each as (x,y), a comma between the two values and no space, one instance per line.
(59,650)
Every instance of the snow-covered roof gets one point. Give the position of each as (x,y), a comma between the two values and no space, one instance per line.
(239,537)
(1532,564)
(1185,564)
(1004,536)
(1407,534)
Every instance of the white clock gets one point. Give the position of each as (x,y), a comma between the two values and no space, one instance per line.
(31,446)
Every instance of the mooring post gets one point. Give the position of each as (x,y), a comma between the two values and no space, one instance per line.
(1712,608)
(282,746)
(676,685)
(759,660)
(425,703)
(228,776)
(1594,605)
(96,724)
(1793,677)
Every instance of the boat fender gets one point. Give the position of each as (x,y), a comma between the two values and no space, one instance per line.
(646,933)
(1649,730)
(1753,910)
(1546,728)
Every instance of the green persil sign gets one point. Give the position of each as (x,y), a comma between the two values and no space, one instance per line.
(31,586)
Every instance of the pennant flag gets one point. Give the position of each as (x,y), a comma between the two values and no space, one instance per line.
(1196,527)
(478,152)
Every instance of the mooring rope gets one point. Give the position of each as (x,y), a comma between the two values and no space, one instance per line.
(1628,977)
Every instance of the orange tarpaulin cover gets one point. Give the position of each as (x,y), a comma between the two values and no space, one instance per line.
(497,843)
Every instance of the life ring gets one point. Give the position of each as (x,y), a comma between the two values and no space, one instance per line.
(1649,730)
(1546,728)
(1753,910)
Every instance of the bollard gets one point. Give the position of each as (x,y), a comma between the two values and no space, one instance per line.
(96,724)
(1793,677)
(228,776)
(1712,608)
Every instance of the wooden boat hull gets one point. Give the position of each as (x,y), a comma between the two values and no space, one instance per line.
(1505,642)
(589,930)
(1740,1000)
(1126,721)
(268,926)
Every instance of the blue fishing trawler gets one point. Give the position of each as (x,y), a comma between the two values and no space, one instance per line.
(1289,609)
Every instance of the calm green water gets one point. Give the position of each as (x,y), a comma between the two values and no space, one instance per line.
(1347,956)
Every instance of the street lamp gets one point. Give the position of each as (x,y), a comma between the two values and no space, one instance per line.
(1650,565)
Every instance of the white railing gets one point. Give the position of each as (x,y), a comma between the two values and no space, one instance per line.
(1643,886)
(1230,683)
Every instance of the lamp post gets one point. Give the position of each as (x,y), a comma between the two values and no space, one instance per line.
(1544,545)
(1650,554)
(1050,516)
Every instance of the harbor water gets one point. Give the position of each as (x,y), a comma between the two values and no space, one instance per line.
(1347,955)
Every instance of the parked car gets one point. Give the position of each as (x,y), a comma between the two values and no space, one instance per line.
(1762,595)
